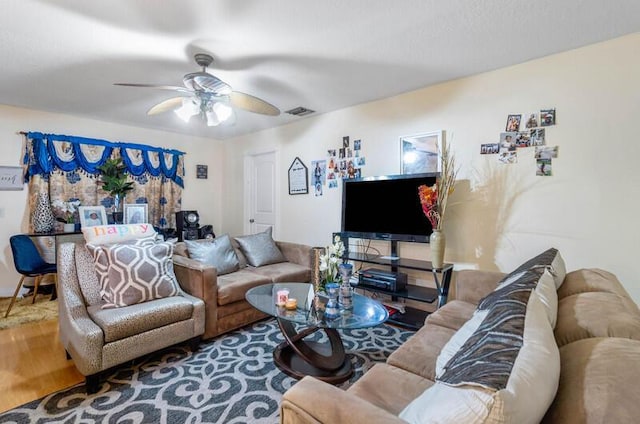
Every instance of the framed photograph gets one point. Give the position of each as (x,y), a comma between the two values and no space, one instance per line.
(11,178)
(90,216)
(420,153)
(513,123)
(547,117)
(136,213)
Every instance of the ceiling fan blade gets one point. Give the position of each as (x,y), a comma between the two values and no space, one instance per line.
(156,86)
(166,105)
(252,104)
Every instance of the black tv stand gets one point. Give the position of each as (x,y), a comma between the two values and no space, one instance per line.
(413,318)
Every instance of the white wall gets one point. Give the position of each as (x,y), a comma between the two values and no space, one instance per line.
(202,195)
(500,214)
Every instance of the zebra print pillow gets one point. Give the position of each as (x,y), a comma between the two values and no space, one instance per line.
(487,357)
(524,283)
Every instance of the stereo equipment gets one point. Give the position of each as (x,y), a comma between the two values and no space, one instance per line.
(383,280)
(206,232)
(187,224)
(189,234)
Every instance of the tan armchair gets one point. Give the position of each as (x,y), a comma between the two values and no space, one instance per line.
(98,339)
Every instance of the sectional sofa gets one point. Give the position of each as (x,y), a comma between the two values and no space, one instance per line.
(578,358)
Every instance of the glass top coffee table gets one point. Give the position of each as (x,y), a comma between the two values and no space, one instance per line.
(298,357)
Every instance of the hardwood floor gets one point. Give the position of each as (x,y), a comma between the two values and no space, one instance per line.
(33,364)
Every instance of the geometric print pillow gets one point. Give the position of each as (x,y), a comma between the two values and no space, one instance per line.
(101,266)
(138,274)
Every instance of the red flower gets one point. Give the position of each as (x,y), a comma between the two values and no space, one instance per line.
(429,201)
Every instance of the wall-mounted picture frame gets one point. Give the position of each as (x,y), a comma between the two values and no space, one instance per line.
(90,216)
(136,213)
(11,178)
(420,153)
(202,171)
(298,177)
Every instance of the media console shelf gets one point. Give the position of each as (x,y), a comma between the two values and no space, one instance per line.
(413,318)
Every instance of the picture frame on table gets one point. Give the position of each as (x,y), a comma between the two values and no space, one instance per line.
(136,213)
(420,153)
(90,216)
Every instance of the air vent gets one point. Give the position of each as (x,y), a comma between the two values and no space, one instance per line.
(300,111)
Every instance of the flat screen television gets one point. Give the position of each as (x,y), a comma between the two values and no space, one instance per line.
(386,208)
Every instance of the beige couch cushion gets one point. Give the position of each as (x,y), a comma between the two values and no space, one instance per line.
(453,315)
(418,354)
(599,382)
(284,272)
(596,314)
(590,280)
(120,323)
(232,287)
(389,387)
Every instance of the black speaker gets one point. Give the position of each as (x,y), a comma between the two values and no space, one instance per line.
(187,220)
(206,232)
(190,234)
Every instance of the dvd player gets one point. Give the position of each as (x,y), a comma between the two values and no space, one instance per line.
(383,280)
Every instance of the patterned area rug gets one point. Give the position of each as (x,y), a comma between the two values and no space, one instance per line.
(231,379)
(23,312)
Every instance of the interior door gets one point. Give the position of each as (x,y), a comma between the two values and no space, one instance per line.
(261,174)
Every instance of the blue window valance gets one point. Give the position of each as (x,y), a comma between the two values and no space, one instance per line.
(51,152)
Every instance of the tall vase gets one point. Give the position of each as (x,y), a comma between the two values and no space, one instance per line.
(345,299)
(332,310)
(437,241)
(116,210)
(42,218)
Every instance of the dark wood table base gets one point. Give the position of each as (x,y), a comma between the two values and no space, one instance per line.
(325,361)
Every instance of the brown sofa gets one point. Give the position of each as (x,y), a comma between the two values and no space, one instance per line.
(224,295)
(597,333)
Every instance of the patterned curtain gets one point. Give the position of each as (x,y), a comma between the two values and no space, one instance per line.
(66,167)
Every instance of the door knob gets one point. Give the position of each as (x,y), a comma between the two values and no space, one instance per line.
(252,220)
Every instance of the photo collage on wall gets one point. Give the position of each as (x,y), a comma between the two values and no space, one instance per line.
(525,130)
(342,162)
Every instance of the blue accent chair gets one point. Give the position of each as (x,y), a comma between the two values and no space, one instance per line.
(29,263)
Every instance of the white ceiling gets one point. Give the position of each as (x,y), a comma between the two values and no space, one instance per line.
(64,56)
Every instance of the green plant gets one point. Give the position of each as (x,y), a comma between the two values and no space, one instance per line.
(113,177)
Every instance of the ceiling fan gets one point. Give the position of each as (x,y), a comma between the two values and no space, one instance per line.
(206,95)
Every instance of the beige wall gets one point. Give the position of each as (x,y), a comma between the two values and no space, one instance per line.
(501,214)
(203,195)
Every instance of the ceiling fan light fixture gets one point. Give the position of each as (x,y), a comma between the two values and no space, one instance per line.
(188,109)
(223,111)
(212,118)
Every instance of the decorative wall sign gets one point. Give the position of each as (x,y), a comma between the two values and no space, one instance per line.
(298,177)
(11,178)
(202,171)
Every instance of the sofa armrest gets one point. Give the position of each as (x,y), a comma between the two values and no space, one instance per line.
(199,280)
(472,285)
(314,401)
(297,253)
